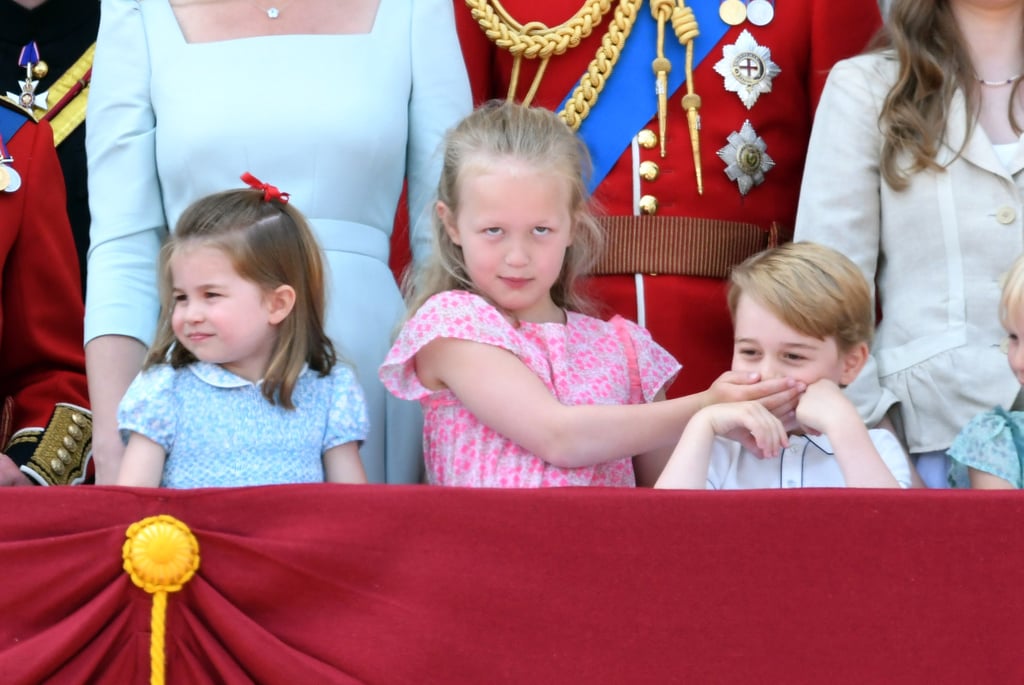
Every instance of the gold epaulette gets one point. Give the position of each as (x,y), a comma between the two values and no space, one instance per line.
(60,452)
(63,116)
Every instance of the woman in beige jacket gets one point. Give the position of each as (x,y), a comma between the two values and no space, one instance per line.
(915,172)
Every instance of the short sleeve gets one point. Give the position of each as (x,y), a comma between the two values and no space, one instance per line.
(452,314)
(657,367)
(986,444)
(147,407)
(891,452)
(347,419)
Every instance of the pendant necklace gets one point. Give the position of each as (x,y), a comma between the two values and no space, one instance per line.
(273,12)
(997,84)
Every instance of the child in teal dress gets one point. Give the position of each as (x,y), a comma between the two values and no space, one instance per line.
(987,453)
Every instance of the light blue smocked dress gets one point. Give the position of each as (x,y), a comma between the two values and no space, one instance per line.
(219,430)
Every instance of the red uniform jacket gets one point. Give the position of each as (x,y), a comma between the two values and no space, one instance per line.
(685,313)
(42,362)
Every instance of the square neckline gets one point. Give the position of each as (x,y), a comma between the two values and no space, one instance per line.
(180,33)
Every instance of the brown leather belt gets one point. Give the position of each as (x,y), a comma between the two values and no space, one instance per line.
(678,245)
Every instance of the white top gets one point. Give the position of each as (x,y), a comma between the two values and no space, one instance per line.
(1006,152)
(808,462)
(337,121)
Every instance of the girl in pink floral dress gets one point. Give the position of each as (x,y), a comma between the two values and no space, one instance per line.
(518,388)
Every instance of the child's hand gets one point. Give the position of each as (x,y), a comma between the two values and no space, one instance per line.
(778,395)
(748,423)
(823,407)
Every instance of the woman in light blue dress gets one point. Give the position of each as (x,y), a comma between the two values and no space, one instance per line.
(335,101)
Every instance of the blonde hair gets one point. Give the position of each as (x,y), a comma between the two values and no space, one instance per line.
(270,244)
(811,288)
(1012,298)
(933,64)
(532,135)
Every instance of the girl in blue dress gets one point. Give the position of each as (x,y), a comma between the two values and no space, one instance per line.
(242,385)
(987,453)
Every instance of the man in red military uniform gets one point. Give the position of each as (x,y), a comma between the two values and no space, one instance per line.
(743,108)
(45,428)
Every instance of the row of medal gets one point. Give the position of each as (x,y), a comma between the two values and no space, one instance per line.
(747,69)
(757,12)
(27,99)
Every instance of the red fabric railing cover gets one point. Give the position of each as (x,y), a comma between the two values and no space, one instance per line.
(412,584)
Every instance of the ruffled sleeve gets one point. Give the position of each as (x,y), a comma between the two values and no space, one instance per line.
(347,420)
(148,408)
(657,367)
(986,443)
(452,314)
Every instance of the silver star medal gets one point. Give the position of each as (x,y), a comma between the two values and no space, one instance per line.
(747,68)
(28,98)
(746,160)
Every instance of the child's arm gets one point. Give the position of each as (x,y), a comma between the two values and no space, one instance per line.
(825,409)
(143,463)
(778,396)
(983,480)
(503,393)
(746,422)
(343,465)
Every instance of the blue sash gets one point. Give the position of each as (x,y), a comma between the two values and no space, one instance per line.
(10,121)
(628,100)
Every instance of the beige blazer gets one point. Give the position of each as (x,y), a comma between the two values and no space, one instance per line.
(935,253)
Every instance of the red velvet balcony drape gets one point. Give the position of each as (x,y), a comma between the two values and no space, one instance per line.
(412,584)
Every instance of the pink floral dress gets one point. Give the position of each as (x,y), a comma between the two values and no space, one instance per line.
(584,361)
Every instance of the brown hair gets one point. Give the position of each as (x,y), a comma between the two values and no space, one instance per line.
(270,244)
(811,288)
(933,65)
(534,135)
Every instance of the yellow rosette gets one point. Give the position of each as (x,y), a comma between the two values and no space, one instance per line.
(160,555)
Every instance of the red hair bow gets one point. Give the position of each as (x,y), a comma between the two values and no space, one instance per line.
(269,192)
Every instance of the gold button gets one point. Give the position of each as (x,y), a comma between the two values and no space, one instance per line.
(1005,215)
(649,170)
(649,204)
(75,432)
(63,455)
(57,466)
(79,419)
(69,442)
(647,138)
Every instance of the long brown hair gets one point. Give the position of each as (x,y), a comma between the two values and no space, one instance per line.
(270,244)
(533,135)
(933,64)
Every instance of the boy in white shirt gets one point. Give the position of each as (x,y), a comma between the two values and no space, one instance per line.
(802,311)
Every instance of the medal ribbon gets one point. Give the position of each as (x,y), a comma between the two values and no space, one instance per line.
(625,109)
(4,155)
(29,55)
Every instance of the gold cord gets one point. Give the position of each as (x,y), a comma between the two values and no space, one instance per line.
(585,95)
(662,11)
(685,26)
(535,40)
